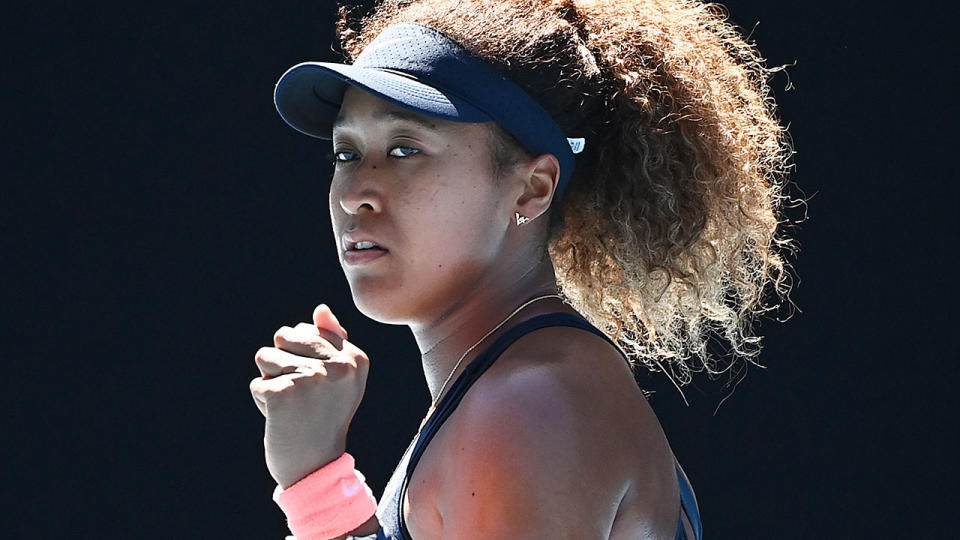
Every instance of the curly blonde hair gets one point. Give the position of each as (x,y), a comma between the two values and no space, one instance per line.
(670,229)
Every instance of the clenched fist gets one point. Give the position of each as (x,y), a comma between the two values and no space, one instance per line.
(311,384)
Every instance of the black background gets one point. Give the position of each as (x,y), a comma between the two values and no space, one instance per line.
(160,222)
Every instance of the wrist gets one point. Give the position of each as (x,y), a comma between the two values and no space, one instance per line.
(295,475)
(293,472)
(329,502)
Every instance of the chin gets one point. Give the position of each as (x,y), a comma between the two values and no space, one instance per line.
(384,304)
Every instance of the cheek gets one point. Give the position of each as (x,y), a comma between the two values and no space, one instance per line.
(448,234)
(336,214)
(333,199)
(457,233)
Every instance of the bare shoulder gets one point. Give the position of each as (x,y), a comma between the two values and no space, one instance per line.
(559,415)
(572,377)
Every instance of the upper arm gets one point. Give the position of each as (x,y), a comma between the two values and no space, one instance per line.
(521,464)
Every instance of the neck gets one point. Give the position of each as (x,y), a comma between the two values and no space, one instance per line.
(444,339)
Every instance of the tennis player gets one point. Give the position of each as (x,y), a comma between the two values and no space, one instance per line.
(551,195)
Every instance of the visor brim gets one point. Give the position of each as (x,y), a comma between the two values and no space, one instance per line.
(308,96)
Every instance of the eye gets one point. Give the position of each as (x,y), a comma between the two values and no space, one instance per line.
(343,156)
(403,151)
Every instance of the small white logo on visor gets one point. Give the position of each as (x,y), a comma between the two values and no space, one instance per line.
(576,145)
(374,46)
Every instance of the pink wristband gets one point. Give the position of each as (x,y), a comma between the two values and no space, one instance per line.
(327,503)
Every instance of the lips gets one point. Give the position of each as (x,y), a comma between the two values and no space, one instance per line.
(352,238)
(362,245)
(355,257)
(352,255)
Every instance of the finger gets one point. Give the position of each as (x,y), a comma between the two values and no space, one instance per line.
(257,398)
(351,356)
(312,330)
(263,390)
(307,327)
(306,340)
(324,318)
(267,391)
(273,362)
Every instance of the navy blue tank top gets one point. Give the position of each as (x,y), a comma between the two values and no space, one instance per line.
(390,511)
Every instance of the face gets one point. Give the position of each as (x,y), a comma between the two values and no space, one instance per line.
(422,190)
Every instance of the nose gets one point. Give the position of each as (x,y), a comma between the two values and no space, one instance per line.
(359,189)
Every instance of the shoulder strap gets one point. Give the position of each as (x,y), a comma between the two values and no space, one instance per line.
(689,504)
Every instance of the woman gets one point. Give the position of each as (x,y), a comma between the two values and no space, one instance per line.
(548,194)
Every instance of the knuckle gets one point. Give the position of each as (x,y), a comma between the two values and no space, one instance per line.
(281,333)
(261,389)
(359,357)
(315,372)
(319,351)
(262,354)
(308,377)
(275,389)
(342,369)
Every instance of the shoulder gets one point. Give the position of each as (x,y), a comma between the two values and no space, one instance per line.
(564,374)
(545,440)
(554,386)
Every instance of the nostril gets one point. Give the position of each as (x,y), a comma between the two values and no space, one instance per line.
(353,198)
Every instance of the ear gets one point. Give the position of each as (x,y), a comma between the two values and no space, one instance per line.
(539,179)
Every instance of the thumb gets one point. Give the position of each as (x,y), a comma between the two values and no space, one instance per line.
(324,319)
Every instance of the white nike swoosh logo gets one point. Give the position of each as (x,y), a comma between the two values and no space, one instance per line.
(373,47)
(349,491)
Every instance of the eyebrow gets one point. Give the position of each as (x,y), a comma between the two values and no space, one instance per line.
(392,115)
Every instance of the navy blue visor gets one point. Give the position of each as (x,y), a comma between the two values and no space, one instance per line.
(420,69)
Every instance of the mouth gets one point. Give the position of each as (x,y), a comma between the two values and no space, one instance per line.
(362,252)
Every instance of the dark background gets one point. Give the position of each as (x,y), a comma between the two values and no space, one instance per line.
(160,222)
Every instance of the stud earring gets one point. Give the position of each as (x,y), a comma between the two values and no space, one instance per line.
(521,219)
